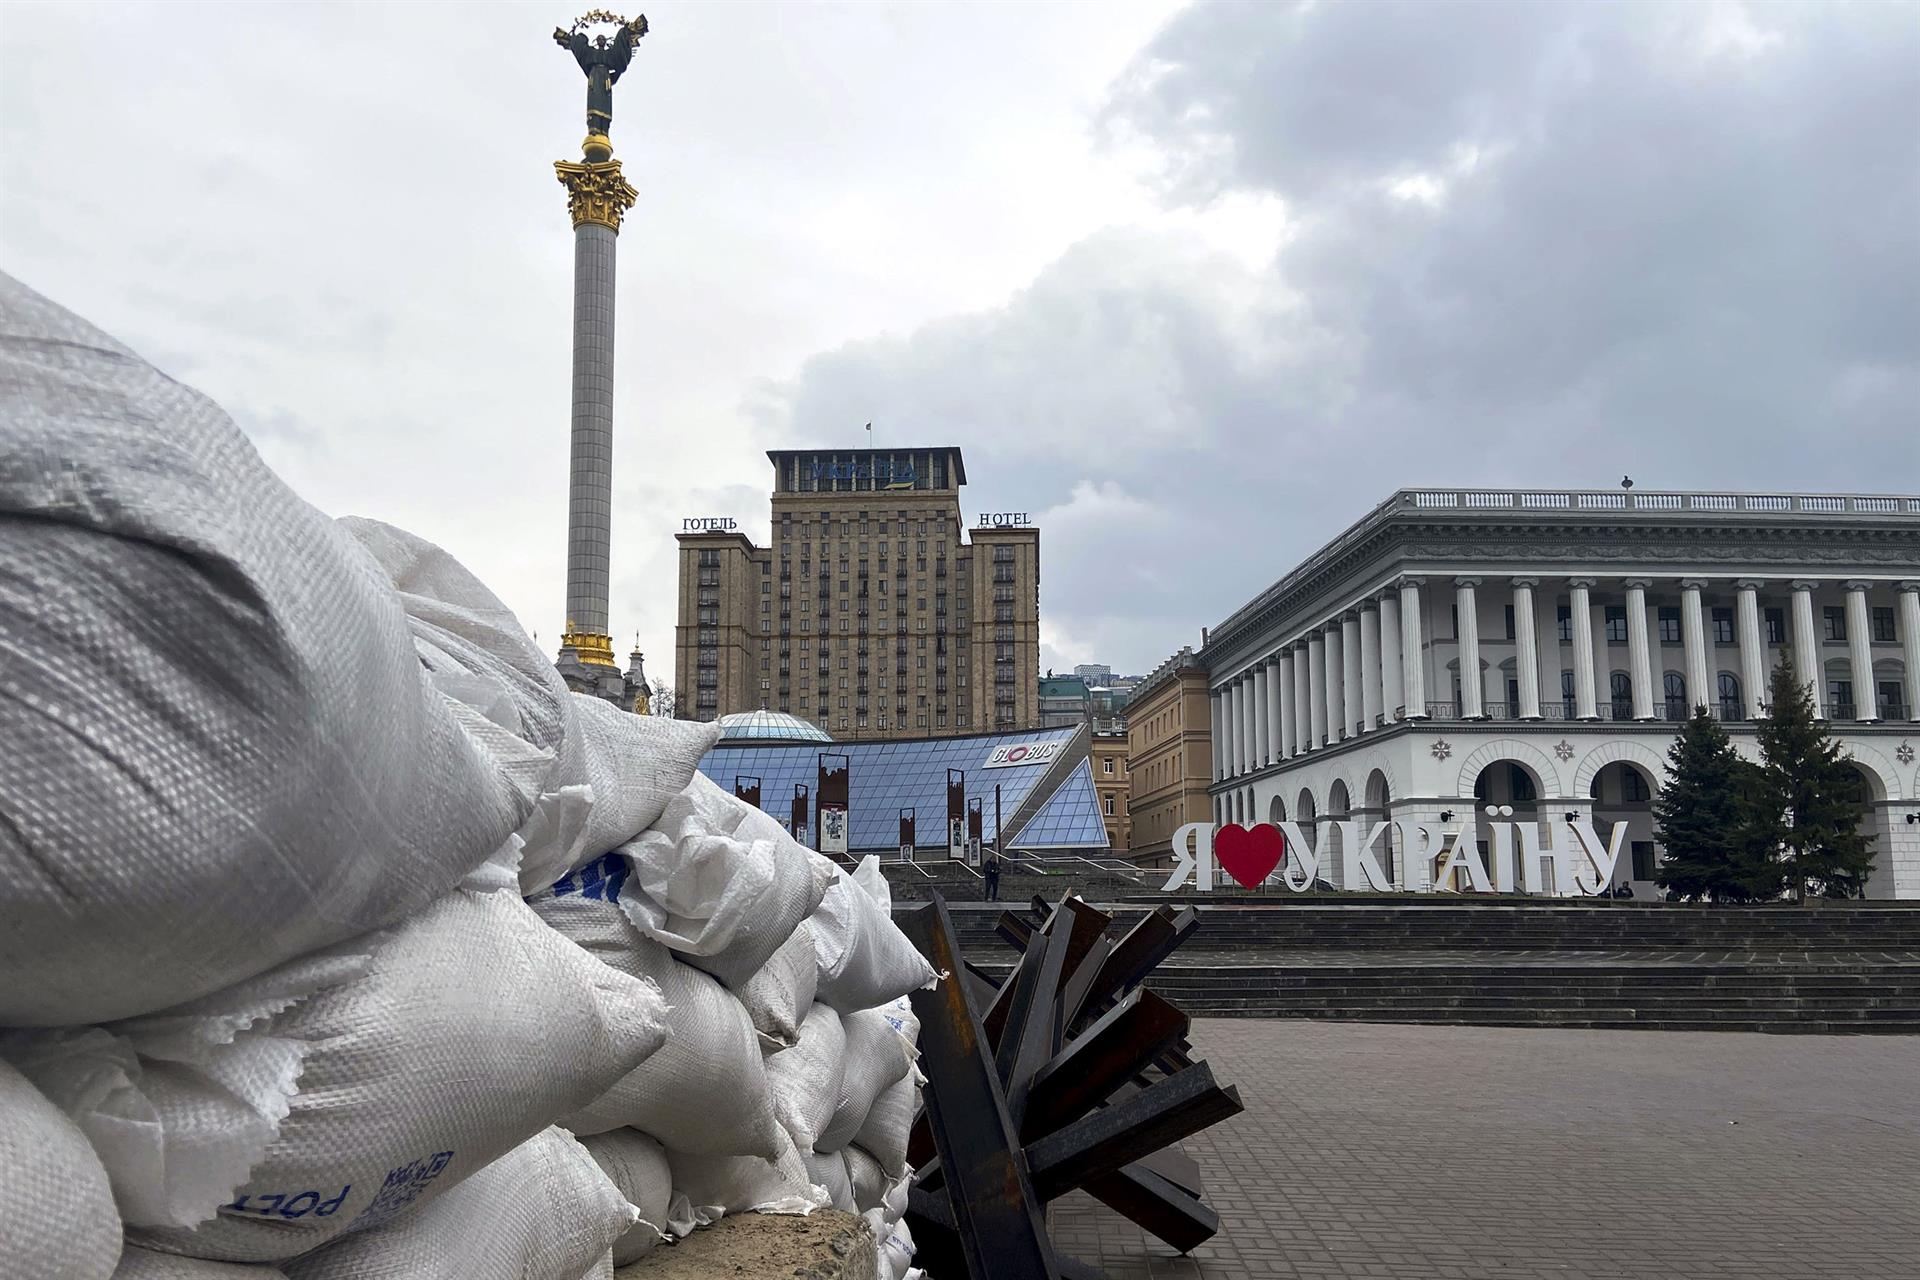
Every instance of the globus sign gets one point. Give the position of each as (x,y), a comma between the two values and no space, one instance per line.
(1529,857)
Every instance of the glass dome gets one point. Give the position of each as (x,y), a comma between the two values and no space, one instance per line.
(769,726)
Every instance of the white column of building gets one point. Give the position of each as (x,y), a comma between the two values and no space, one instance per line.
(1753,653)
(1249,739)
(1546,643)
(1806,648)
(1262,724)
(1584,677)
(1526,660)
(1351,692)
(1317,689)
(1910,643)
(1639,661)
(1219,734)
(1226,730)
(1412,670)
(1369,667)
(1471,706)
(1277,707)
(1243,724)
(1866,704)
(1302,700)
(1337,727)
(1392,680)
(1693,635)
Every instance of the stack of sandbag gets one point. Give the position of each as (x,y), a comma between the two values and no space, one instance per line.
(267,979)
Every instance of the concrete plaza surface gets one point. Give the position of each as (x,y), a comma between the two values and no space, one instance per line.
(1419,1151)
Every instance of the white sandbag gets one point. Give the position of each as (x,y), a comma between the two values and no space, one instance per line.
(876,1057)
(868,875)
(57,1220)
(870,1181)
(637,1167)
(542,1211)
(341,1088)
(896,1244)
(829,1169)
(779,995)
(144,1264)
(805,1080)
(612,772)
(884,1133)
(864,958)
(722,883)
(706,1090)
(714,1185)
(221,750)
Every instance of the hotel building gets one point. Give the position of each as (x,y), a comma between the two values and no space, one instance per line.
(874,613)
(1456,649)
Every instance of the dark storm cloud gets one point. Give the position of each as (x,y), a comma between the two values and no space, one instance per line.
(1527,244)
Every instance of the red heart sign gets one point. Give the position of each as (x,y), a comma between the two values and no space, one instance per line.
(1249,855)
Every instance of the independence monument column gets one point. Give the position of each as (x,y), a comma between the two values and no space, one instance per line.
(597,197)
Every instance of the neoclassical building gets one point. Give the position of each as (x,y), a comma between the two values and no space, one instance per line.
(1456,649)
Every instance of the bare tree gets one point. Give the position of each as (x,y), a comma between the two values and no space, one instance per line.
(660,700)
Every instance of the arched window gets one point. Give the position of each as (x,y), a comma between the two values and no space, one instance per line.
(1730,705)
(1621,685)
(1676,691)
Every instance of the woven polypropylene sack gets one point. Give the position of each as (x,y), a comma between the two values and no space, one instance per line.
(896,1244)
(542,1211)
(876,1057)
(611,772)
(805,1080)
(779,995)
(706,1090)
(869,1180)
(221,750)
(828,1169)
(338,1090)
(715,1185)
(145,1264)
(637,1167)
(57,1220)
(865,960)
(883,1134)
(722,883)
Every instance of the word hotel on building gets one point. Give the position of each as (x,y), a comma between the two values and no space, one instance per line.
(875,612)
(1457,650)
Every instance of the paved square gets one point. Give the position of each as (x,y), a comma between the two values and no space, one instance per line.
(1405,1151)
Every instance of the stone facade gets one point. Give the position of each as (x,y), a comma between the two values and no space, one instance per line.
(1112,783)
(1588,624)
(1169,757)
(875,613)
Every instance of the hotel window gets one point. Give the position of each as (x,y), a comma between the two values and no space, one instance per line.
(1616,616)
(1669,626)
(1836,622)
(1883,626)
(1776,623)
(1723,626)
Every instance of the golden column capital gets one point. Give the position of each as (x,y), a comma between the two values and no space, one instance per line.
(595,192)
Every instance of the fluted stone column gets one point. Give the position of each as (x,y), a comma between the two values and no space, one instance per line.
(1393,696)
(1526,661)
(1413,673)
(1303,741)
(1693,634)
(1639,661)
(1753,651)
(1910,644)
(1250,729)
(1546,637)
(1229,733)
(1866,702)
(1336,695)
(1351,693)
(1585,681)
(1262,725)
(1239,723)
(1317,688)
(1471,686)
(1218,703)
(1806,648)
(1276,709)
(1369,668)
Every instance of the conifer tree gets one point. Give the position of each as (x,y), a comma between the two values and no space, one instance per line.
(1810,796)
(1706,817)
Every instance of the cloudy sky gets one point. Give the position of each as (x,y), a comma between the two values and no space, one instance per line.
(1197,285)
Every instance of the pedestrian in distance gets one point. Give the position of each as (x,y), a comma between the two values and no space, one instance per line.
(993,876)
